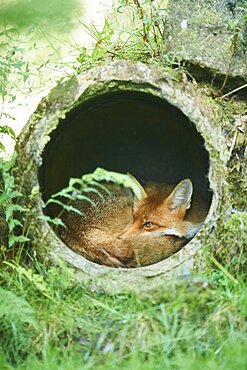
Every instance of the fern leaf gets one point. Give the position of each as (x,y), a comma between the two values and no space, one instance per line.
(14,309)
(13,223)
(13,239)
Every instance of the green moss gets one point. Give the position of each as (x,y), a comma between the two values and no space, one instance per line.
(212,43)
(231,242)
(234,129)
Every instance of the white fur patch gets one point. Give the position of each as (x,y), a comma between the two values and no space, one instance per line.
(172,231)
(150,233)
(192,230)
(163,233)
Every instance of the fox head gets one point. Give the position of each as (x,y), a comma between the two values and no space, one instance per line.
(155,214)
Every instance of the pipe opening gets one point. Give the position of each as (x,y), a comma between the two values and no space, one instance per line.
(127,131)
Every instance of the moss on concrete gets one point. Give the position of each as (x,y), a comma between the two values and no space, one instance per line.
(210,36)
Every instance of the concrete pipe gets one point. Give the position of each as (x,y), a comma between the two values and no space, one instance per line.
(124,117)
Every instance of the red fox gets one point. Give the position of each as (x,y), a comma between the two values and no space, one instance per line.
(122,231)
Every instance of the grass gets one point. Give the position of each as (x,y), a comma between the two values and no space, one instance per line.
(50,321)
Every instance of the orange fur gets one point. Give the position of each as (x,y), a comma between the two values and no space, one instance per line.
(124,232)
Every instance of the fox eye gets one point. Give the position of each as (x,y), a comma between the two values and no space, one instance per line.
(148,224)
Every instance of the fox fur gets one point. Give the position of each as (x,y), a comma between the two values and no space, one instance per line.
(122,231)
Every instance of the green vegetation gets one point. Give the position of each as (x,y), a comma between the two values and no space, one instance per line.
(49,320)
(133,30)
(31,14)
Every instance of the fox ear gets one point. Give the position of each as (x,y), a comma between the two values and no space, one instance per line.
(181,195)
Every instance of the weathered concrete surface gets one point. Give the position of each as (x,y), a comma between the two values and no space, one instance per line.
(211,37)
(68,94)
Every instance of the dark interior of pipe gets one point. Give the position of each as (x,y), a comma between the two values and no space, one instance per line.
(125,132)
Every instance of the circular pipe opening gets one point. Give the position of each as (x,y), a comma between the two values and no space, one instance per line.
(127,131)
